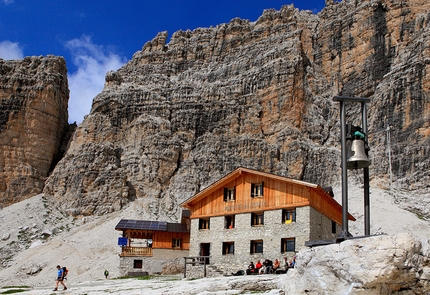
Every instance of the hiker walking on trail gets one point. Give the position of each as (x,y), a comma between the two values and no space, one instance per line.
(106,273)
(60,278)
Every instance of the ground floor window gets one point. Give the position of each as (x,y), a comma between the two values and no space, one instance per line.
(256,246)
(288,245)
(176,243)
(227,248)
(137,263)
(333,227)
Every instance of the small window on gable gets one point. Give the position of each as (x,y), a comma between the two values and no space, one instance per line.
(256,246)
(257,189)
(176,243)
(288,245)
(227,248)
(257,218)
(229,194)
(204,223)
(288,215)
(229,221)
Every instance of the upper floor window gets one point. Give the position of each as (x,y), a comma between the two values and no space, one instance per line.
(257,189)
(227,248)
(257,218)
(256,246)
(204,223)
(288,245)
(229,221)
(288,215)
(176,243)
(229,194)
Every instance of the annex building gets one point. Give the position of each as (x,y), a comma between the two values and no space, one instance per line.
(147,245)
(249,215)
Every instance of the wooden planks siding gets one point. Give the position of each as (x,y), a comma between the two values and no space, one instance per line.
(276,194)
(160,239)
(279,192)
(163,240)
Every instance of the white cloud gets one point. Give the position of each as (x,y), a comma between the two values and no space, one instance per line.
(93,62)
(10,50)
(7,2)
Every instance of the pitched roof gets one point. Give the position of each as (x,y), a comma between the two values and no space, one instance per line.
(319,191)
(236,173)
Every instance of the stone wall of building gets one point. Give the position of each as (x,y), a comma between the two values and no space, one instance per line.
(151,265)
(321,227)
(243,233)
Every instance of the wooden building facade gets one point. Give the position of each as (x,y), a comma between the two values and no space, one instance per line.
(146,245)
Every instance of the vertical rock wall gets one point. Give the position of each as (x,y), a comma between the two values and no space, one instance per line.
(380,49)
(33,118)
(258,94)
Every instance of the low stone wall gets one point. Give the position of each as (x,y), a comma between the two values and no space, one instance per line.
(198,271)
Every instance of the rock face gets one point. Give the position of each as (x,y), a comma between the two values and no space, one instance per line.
(374,265)
(33,119)
(258,94)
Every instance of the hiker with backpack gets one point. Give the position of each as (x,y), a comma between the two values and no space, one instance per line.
(61,275)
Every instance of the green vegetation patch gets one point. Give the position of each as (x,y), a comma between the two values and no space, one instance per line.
(12,291)
(134,277)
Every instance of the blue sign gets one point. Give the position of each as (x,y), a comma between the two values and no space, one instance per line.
(122,241)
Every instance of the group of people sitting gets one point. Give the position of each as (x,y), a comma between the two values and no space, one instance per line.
(268,266)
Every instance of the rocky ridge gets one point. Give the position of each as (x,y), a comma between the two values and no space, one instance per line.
(33,121)
(258,94)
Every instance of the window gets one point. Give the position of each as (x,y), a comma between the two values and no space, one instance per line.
(229,221)
(257,190)
(229,194)
(288,215)
(288,245)
(204,223)
(333,227)
(176,243)
(256,246)
(227,248)
(257,218)
(137,263)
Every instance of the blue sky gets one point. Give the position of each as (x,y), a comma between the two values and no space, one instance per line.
(95,36)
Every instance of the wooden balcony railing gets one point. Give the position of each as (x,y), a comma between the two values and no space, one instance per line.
(136,251)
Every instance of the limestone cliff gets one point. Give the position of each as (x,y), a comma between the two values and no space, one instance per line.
(33,119)
(258,94)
